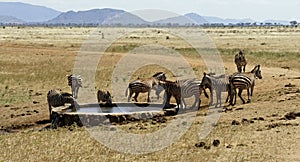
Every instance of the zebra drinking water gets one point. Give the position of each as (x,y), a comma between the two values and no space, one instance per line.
(104,96)
(56,98)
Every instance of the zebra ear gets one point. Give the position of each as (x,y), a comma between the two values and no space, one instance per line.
(204,73)
(108,93)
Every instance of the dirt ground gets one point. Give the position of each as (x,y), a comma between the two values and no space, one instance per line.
(35,60)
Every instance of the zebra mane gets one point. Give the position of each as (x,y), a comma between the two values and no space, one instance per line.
(257,67)
(158,74)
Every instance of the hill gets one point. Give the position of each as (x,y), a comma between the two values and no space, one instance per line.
(97,16)
(27,12)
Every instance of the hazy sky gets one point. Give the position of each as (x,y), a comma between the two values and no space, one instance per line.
(255,9)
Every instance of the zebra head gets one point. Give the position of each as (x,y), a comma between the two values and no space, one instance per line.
(240,56)
(257,72)
(107,97)
(160,76)
(206,82)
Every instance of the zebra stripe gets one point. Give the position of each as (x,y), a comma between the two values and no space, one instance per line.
(143,85)
(171,89)
(57,98)
(243,81)
(219,84)
(240,61)
(104,96)
(182,89)
(75,82)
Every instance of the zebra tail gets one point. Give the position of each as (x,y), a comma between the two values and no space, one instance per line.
(126,92)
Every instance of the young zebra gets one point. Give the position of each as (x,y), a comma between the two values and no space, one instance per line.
(182,89)
(219,84)
(240,61)
(143,85)
(104,96)
(243,81)
(57,98)
(75,81)
(171,89)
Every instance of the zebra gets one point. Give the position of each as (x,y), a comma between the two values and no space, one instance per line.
(56,98)
(143,85)
(219,84)
(171,89)
(181,89)
(104,96)
(75,81)
(243,81)
(240,61)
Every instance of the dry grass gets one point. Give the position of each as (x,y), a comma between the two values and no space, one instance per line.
(34,60)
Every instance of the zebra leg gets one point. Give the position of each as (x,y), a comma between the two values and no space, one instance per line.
(249,95)
(240,69)
(130,94)
(167,98)
(178,102)
(136,96)
(197,102)
(73,91)
(50,111)
(218,95)
(211,97)
(240,95)
(76,92)
(183,104)
(234,96)
(148,99)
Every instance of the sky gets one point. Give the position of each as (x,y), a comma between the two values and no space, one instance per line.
(258,10)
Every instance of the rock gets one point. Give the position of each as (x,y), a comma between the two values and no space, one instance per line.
(241,144)
(234,122)
(245,120)
(291,115)
(216,143)
(228,146)
(35,102)
(206,147)
(289,85)
(200,144)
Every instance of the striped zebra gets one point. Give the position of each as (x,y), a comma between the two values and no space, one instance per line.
(240,61)
(56,98)
(171,89)
(219,84)
(75,81)
(243,81)
(104,96)
(182,89)
(143,85)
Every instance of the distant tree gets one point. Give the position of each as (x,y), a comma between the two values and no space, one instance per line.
(293,23)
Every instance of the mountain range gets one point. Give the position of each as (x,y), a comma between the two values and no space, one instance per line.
(22,13)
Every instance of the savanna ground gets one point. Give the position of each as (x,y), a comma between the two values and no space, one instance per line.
(34,60)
